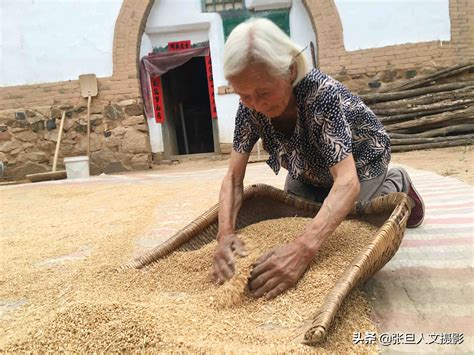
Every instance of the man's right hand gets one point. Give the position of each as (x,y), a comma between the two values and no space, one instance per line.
(223,267)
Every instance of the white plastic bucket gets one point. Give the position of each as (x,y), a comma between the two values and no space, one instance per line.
(77,167)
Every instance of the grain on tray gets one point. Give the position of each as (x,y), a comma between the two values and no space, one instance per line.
(174,306)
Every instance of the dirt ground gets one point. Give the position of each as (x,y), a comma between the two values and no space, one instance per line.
(62,245)
(62,242)
(456,162)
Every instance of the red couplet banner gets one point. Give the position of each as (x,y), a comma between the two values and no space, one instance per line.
(210,84)
(158,104)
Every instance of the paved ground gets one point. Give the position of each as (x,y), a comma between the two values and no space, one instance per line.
(424,293)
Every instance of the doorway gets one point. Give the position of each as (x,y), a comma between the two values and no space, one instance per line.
(189,127)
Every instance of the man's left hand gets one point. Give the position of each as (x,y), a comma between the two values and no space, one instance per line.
(278,270)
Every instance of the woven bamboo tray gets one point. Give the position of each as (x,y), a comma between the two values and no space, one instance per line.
(262,202)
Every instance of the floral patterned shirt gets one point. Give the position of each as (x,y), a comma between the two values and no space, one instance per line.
(331,124)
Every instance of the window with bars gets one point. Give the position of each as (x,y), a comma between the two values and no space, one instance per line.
(222,5)
(230,19)
(234,12)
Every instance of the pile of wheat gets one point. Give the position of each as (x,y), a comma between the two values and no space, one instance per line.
(174,305)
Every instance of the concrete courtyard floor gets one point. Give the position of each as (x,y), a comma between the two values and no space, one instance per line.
(424,292)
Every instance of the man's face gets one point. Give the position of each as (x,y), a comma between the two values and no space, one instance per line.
(262,92)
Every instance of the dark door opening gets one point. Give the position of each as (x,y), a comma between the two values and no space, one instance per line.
(188,113)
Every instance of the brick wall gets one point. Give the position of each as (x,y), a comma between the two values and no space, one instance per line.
(334,59)
(122,85)
(29,114)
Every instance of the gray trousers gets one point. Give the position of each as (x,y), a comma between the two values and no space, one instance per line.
(394,180)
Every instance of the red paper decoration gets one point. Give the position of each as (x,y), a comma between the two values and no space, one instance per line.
(158,103)
(178,46)
(210,85)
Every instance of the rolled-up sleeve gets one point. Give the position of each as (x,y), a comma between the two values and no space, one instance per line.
(245,132)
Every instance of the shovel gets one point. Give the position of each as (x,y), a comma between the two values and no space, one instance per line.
(88,84)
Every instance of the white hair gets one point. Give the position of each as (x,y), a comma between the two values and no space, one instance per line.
(261,41)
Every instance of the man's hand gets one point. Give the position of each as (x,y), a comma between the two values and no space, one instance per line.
(279,270)
(223,266)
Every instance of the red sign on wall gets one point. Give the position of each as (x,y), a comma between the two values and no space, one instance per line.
(158,103)
(210,85)
(178,46)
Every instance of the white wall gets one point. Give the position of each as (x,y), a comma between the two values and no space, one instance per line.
(156,134)
(301,29)
(258,5)
(379,23)
(55,40)
(164,26)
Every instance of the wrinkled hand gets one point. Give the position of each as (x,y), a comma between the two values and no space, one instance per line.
(278,270)
(223,267)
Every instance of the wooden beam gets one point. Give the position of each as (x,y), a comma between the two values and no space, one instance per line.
(460,94)
(437,132)
(407,148)
(427,111)
(446,117)
(390,96)
(415,140)
(429,79)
